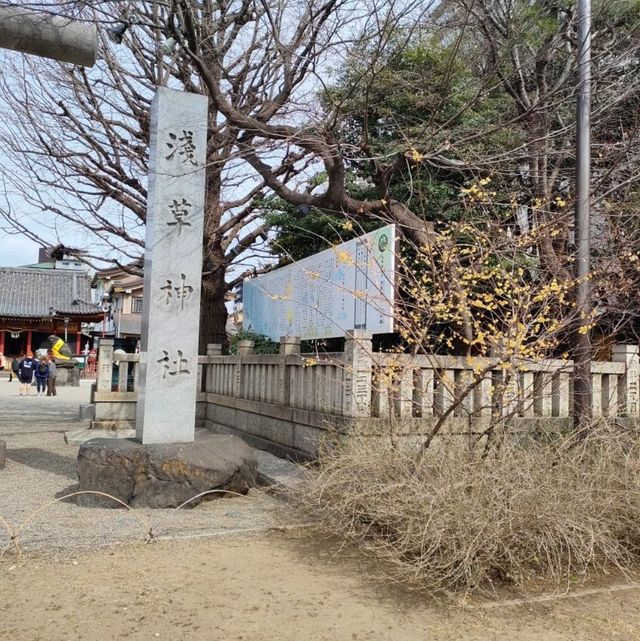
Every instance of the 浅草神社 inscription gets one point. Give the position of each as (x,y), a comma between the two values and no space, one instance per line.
(172,269)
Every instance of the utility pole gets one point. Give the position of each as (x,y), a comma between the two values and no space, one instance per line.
(48,36)
(582,385)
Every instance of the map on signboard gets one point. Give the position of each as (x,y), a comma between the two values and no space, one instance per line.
(349,286)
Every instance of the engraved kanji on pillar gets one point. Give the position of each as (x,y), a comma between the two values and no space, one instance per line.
(167,384)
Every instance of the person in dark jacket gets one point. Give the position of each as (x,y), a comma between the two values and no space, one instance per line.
(15,364)
(42,374)
(26,369)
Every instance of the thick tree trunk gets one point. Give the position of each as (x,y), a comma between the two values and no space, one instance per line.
(213,312)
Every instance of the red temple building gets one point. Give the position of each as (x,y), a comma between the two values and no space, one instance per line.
(37,302)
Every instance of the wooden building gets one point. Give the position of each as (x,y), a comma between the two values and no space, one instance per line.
(35,303)
(122,294)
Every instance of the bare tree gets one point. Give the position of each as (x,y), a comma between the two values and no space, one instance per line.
(78,139)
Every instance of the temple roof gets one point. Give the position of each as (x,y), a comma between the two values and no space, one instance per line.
(40,293)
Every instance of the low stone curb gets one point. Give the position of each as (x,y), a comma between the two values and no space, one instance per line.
(277,472)
(77,437)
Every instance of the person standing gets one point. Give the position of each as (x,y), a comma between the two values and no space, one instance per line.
(15,363)
(25,373)
(51,379)
(3,362)
(91,363)
(42,374)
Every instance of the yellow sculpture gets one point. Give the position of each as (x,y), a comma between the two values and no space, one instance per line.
(60,351)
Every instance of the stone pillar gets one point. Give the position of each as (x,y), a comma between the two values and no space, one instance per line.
(105,365)
(446,390)
(596,391)
(527,394)
(483,401)
(166,408)
(629,401)
(563,394)
(544,394)
(405,390)
(357,375)
(424,392)
(245,348)
(288,345)
(214,349)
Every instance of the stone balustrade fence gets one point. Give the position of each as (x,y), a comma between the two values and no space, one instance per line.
(275,398)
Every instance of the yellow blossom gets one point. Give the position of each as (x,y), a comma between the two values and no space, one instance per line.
(344,257)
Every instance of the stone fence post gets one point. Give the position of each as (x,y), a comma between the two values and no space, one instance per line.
(214,349)
(628,390)
(105,365)
(245,348)
(288,345)
(357,375)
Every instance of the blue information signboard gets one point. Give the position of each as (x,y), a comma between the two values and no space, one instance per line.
(349,286)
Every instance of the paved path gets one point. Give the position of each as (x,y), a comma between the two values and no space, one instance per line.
(26,414)
(40,471)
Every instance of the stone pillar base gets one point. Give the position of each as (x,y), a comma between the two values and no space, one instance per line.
(161,476)
(68,377)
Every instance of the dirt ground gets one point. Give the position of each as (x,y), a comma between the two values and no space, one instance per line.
(86,575)
(277,586)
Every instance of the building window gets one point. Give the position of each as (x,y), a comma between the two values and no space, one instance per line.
(136,305)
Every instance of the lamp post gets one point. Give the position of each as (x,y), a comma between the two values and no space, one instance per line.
(105,305)
(582,385)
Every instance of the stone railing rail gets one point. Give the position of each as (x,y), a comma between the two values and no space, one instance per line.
(362,383)
(284,402)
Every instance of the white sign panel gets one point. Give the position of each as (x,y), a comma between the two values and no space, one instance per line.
(349,286)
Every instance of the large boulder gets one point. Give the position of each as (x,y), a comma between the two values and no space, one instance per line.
(161,476)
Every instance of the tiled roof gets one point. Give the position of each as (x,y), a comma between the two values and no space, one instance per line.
(114,274)
(36,292)
(127,281)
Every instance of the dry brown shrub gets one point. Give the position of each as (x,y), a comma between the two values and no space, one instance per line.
(455,520)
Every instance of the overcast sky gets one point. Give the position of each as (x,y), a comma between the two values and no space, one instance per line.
(17,250)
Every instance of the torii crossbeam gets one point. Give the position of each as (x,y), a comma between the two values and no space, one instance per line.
(49,36)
